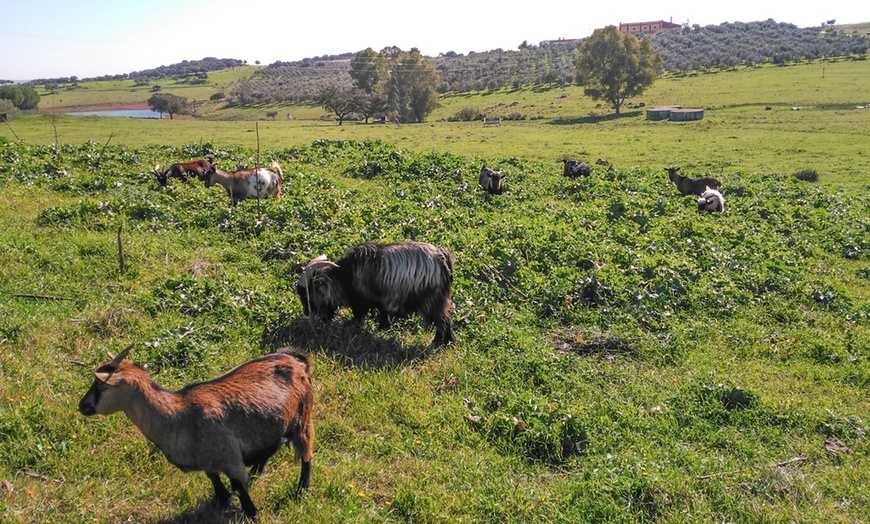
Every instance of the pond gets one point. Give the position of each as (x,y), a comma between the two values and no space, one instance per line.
(128,113)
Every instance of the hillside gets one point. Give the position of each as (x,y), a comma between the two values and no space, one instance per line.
(713,47)
(693,48)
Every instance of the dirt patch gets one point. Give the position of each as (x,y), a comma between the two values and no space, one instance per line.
(584,343)
(118,106)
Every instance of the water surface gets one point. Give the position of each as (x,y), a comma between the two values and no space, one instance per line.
(128,113)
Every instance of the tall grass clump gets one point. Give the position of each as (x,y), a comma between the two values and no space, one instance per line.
(807,175)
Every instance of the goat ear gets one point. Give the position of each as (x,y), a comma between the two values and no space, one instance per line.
(110,377)
(116,360)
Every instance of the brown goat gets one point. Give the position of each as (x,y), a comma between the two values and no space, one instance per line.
(691,186)
(180,171)
(237,420)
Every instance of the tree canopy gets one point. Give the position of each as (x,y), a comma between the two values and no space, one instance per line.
(413,89)
(613,66)
(366,69)
(168,103)
(341,100)
(392,80)
(21,96)
(7,108)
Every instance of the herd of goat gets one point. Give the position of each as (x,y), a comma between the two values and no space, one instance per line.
(242,418)
(240,185)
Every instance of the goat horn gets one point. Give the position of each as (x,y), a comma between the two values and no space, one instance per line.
(116,360)
(311,267)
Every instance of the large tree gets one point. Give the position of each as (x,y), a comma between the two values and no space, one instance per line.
(7,108)
(614,67)
(22,97)
(421,81)
(410,83)
(168,103)
(366,68)
(340,100)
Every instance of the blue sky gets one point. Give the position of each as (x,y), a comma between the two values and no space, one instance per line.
(58,38)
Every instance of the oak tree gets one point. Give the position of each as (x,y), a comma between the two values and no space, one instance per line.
(168,103)
(613,66)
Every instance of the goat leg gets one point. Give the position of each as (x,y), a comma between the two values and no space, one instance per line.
(245,499)
(221,495)
(305,475)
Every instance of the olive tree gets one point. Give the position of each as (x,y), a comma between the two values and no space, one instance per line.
(613,66)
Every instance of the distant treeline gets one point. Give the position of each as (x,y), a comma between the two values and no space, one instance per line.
(690,48)
(181,69)
(737,43)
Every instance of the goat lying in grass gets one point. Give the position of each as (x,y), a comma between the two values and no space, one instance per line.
(575,168)
(237,420)
(491,181)
(691,186)
(250,183)
(711,200)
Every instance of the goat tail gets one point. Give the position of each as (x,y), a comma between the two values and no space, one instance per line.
(277,167)
(446,264)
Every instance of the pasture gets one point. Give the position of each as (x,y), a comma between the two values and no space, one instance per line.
(621,357)
(749,125)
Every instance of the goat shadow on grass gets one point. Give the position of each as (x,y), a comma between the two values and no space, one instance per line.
(342,339)
(207,513)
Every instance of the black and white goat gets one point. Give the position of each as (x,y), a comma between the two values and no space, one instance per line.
(396,279)
(249,183)
(237,420)
(711,200)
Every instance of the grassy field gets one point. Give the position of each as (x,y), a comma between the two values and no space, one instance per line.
(620,357)
(750,124)
(86,94)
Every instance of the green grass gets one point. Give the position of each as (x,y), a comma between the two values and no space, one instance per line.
(738,132)
(126,92)
(620,357)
